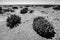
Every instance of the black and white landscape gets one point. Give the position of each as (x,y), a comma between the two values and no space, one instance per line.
(30,22)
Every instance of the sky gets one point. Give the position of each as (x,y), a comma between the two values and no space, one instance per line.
(29,2)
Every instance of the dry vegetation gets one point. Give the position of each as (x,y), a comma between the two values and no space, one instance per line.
(26,32)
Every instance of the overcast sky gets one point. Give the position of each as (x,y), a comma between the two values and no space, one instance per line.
(30,1)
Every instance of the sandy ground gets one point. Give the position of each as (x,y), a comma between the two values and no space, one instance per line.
(25,31)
